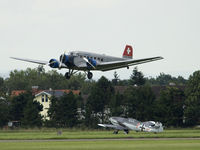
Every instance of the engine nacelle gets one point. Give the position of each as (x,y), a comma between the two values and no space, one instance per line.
(53,63)
(92,61)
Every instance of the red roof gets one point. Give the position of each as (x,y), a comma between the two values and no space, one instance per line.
(17,92)
(34,91)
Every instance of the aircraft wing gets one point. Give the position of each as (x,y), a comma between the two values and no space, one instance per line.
(112,126)
(31,60)
(106,66)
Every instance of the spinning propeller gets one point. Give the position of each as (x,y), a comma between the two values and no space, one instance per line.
(89,62)
(61,60)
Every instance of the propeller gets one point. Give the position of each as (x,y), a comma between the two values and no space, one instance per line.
(61,60)
(142,127)
(89,62)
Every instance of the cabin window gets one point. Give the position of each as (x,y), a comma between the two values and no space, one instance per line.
(98,58)
(101,59)
(42,98)
(46,98)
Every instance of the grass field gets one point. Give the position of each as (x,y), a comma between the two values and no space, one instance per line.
(104,145)
(78,134)
(150,144)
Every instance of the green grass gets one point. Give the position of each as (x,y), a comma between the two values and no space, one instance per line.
(104,145)
(78,134)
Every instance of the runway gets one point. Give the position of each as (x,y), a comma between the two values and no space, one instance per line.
(109,139)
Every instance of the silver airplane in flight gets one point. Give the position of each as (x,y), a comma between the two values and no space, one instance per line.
(126,124)
(85,61)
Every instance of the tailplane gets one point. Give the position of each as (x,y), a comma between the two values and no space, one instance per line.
(128,52)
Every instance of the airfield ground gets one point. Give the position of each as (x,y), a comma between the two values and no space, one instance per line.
(187,139)
(104,145)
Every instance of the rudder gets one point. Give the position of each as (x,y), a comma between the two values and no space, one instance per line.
(128,52)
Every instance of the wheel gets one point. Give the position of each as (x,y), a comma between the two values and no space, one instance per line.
(89,75)
(67,75)
(115,132)
(126,131)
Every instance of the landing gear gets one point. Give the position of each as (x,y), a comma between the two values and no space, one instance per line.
(115,132)
(67,75)
(126,131)
(71,72)
(89,75)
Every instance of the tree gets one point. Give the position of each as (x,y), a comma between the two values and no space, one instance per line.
(22,108)
(4,117)
(139,102)
(25,79)
(137,78)
(164,79)
(192,102)
(18,104)
(87,86)
(2,87)
(116,79)
(32,115)
(116,105)
(169,107)
(99,99)
(63,111)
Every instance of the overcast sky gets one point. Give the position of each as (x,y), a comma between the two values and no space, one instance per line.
(43,29)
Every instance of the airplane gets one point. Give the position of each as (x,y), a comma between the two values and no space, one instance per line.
(87,62)
(126,124)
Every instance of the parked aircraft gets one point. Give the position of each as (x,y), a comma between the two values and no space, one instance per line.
(126,124)
(86,61)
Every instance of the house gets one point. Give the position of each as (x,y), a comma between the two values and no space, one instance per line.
(43,97)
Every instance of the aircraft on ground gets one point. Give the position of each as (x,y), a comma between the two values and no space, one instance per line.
(126,124)
(87,62)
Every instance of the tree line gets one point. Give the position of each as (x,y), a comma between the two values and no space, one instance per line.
(173,107)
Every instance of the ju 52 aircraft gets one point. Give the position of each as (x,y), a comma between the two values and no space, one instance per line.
(126,124)
(85,61)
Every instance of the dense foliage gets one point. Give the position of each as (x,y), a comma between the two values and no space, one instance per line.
(161,99)
(63,111)
(192,103)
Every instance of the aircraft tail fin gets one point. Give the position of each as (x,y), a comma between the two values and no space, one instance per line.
(128,52)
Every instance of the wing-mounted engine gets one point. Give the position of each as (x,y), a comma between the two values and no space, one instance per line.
(53,63)
(91,63)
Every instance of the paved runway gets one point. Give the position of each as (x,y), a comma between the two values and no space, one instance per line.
(112,139)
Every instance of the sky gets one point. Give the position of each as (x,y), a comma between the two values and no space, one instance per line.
(44,29)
